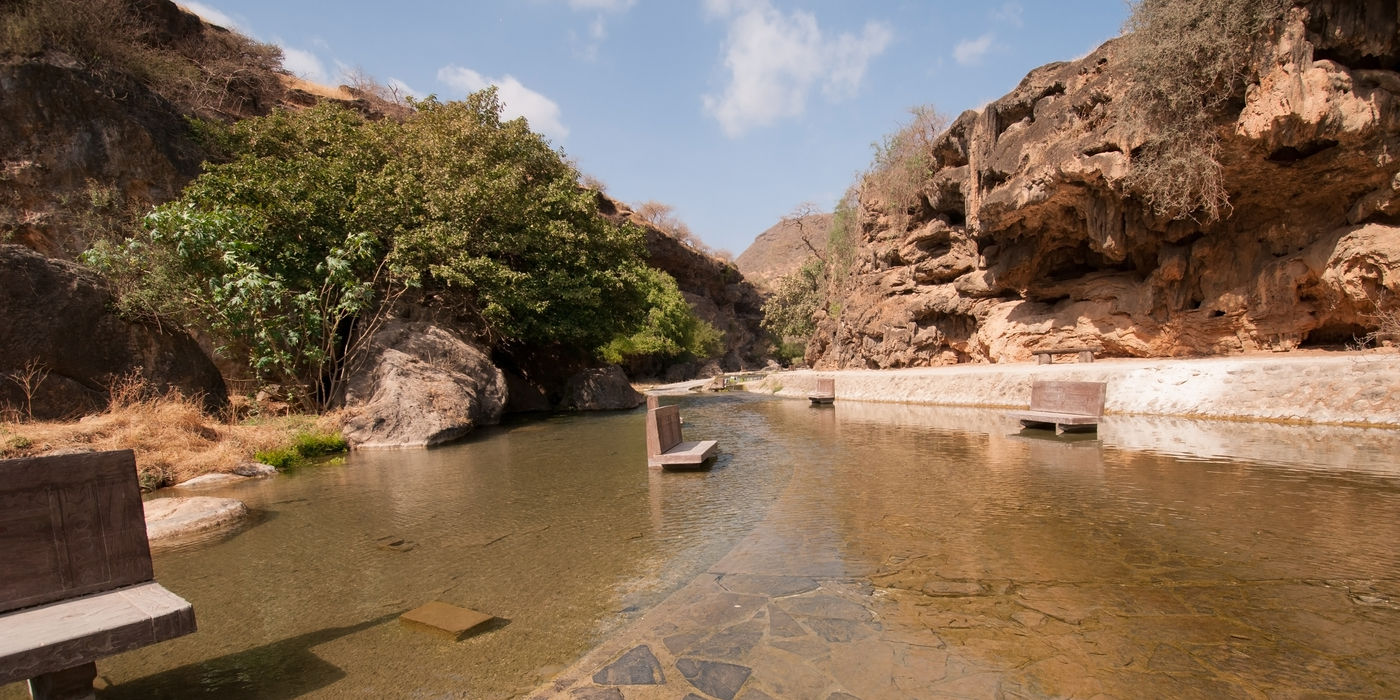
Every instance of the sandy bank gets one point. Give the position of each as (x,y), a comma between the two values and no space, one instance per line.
(1354,388)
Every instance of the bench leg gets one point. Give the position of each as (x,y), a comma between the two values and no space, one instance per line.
(69,684)
(1044,359)
(1086,356)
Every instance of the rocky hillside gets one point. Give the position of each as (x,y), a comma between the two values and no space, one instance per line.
(1028,236)
(95,129)
(783,248)
(716,290)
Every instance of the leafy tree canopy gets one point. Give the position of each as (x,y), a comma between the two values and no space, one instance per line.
(289,249)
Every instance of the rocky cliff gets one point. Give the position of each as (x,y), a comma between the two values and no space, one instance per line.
(1026,234)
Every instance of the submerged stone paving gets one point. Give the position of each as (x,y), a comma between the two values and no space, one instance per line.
(1123,576)
(751,637)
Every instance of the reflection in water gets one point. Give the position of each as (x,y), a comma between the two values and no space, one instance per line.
(1112,557)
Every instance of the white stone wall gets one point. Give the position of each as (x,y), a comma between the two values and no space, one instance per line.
(1355,388)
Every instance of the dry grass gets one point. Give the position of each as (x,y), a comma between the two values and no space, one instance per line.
(292,82)
(173,439)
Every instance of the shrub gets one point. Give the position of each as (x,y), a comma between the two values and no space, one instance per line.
(1186,59)
(304,446)
(903,163)
(273,252)
(841,239)
(671,329)
(319,444)
(788,314)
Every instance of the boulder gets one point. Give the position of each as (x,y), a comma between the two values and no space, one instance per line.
(63,345)
(204,481)
(600,389)
(420,385)
(254,469)
(173,518)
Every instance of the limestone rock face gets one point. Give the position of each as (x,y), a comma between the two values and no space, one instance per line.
(421,385)
(58,319)
(601,389)
(74,148)
(1027,235)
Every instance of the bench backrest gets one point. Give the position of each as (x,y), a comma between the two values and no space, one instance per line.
(826,386)
(663,429)
(70,526)
(1083,398)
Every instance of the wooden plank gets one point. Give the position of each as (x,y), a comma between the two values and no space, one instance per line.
(70,526)
(1063,351)
(70,633)
(1085,398)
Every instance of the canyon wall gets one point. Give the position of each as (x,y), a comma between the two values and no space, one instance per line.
(1027,235)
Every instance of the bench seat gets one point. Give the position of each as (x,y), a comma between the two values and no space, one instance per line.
(685,454)
(1063,422)
(78,631)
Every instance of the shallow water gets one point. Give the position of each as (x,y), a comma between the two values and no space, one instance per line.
(557,527)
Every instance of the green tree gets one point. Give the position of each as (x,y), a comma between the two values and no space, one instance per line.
(275,251)
(500,217)
(671,329)
(789,313)
(289,250)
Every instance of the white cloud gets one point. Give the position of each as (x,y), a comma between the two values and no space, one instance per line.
(304,64)
(775,59)
(212,15)
(1010,13)
(969,52)
(516,99)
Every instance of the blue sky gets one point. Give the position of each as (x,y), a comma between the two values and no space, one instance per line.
(732,111)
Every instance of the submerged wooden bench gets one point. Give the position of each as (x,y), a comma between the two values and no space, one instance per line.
(1065,406)
(76,580)
(825,391)
(664,447)
(1045,357)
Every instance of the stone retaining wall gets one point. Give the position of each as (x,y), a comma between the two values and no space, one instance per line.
(1355,388)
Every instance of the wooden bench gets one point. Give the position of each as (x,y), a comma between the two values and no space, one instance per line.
(825,391)
(1045,357)
(76,580)
(1065,406)
(664,447)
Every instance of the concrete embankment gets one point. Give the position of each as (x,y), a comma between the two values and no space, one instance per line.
(1351,388)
